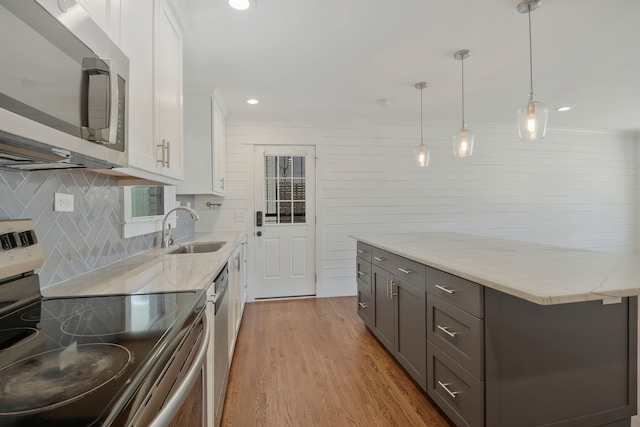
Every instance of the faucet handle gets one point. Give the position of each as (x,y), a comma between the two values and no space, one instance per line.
(168,238)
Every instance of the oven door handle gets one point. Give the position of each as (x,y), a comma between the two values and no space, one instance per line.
(173,404)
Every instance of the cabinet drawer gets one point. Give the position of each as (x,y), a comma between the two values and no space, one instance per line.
(458,393)
(382,259)
(406,269)
(364,251)
(365,307)
(455,290)
(363,270)
(457,333)
(410,271)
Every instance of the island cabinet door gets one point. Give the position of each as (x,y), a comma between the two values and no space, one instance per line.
(383,325)
(411,331)
(559,365)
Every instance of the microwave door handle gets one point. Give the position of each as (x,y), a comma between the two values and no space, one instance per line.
(95,66)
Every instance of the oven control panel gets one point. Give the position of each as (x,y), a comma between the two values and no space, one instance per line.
(20,250)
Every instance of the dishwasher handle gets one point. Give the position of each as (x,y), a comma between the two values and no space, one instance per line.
(173,404)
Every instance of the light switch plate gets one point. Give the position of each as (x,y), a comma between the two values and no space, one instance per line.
(240,216)
(63,202)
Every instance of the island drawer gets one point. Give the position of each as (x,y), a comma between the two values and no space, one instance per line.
(363,270)
(365,307)
(382,259)
(404,268)
(410,271)
(462,293)
(364,251)
(458,393)
(456,332)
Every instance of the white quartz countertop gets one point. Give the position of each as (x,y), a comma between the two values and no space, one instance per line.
(542,274)
(154,271)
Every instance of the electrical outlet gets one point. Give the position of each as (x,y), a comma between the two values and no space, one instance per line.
(63,202)
(240,216)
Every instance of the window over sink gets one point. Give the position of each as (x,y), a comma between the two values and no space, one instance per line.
(144,207)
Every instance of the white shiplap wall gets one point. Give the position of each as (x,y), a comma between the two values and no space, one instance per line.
(575,188)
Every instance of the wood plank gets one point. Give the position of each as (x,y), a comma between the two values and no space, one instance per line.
(312,362)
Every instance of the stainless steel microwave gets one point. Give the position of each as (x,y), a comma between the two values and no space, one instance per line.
(63,89)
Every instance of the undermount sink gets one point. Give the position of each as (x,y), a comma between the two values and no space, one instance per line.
(197,248)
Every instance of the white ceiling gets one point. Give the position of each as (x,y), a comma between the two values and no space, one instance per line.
(337,59)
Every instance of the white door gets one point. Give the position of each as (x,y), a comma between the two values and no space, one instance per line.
(285,242)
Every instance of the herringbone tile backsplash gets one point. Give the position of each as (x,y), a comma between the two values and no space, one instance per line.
(83,240)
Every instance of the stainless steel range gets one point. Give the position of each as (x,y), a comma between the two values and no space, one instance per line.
(90,361)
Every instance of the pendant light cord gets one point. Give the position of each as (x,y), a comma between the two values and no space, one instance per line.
(421,139)
(463,125)
(530,54)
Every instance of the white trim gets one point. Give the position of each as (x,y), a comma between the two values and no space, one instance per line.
(145,225)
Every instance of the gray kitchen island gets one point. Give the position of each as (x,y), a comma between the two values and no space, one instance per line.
(504,333)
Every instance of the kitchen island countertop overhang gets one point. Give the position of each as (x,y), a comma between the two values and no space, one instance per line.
(542,274)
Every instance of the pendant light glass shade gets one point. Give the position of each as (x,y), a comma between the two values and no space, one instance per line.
(462,139)
(463,143)
(532,118)
(422,153)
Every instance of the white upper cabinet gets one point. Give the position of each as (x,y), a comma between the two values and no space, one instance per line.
(204,148)
(105,13)
(152,37)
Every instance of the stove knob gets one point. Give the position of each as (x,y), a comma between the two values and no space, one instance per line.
(8,241)
(28,238)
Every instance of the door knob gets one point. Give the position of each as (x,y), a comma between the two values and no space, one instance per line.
(259,233)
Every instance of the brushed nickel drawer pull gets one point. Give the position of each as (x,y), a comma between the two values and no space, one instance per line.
(446,388)
(406,271)
(379,259)
(360,251)
(362,305)
(361,273)
(446,330)
(447,290)
(388,291)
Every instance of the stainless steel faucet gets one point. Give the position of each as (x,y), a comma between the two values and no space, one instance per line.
(167,238)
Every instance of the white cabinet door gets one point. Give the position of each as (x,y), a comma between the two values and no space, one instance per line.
(105,13)
(198,145)
(204,146)
(152,39)
(219,150)
(167,67)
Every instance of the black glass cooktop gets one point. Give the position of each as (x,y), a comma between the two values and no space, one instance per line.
(78,361)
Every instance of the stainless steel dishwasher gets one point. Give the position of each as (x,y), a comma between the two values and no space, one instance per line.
(218,354)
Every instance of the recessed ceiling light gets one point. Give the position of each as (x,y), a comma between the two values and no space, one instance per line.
(566,108)
(252,101)
(242,4)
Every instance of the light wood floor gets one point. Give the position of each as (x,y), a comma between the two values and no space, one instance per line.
(312,362)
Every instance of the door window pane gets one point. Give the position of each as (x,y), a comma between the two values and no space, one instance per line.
(285,213)
(299,212)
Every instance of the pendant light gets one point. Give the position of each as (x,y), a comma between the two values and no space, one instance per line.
(462,139)
(532,119)
(422,152)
